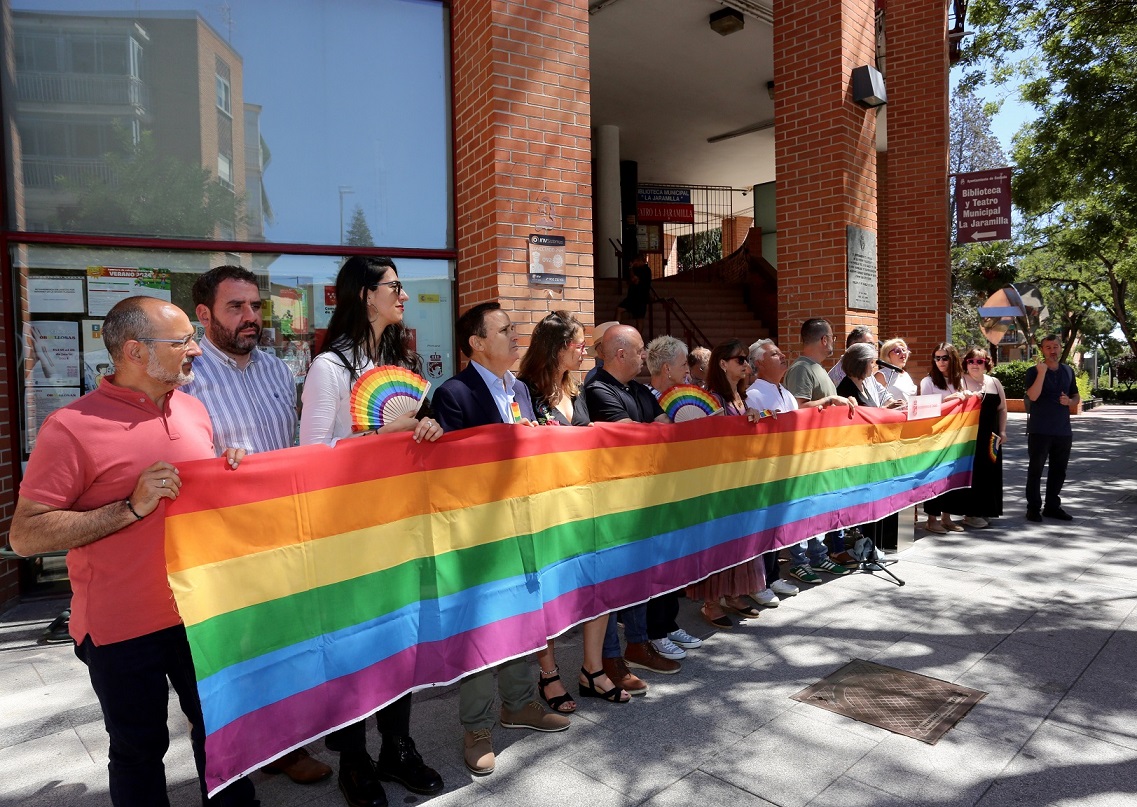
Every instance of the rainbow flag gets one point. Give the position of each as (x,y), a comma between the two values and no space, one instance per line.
(319,584)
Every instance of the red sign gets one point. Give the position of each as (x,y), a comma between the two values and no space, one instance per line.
(659,211)
(983,206)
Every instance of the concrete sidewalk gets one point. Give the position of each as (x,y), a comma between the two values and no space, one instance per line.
(1040,616)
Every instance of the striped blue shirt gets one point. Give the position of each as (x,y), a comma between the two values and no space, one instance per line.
(252,408)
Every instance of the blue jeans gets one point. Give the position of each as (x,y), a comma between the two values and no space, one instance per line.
(816,549)
(635,630)
(132,681)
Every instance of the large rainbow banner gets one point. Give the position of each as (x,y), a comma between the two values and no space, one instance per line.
(319,584)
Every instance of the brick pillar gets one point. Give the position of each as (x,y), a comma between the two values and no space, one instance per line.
(522,151)
(918,268)
(825,154)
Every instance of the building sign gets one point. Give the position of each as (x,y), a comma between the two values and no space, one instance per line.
(671,196)
(860,246)
(547,259)
(665,211)
(983,206)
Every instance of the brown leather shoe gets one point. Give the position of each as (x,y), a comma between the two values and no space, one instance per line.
(844,558)
(300,767)
(642,654)
(477,752)
(617,670)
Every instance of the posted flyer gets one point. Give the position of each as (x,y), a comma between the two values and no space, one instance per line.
(106,285)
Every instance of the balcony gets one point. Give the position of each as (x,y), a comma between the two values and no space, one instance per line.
(82,88)
(51,172)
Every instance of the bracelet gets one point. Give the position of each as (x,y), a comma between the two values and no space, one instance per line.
(130,507)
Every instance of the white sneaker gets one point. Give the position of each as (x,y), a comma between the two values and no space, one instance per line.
(783,588)
(684,639)
(668,649)
(766,598)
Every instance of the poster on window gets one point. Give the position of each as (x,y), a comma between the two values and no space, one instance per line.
(45,400)
(50,294)
(106,285)
(52,348)
(429,313)
(96,360)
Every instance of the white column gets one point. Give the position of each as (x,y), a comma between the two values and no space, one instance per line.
(606,219)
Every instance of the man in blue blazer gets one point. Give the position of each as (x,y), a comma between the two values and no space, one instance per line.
(485,393)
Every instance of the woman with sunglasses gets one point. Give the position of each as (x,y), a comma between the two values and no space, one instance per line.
(985,500)
(556,350)
(891,373)
(728,374)
(944,379)
(366,330)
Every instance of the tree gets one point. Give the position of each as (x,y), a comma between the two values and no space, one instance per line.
(699,249)
(1076,176)
(146,193)
(358,233)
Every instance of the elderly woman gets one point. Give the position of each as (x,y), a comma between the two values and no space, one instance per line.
(891,373)
(859,363)
(667,363)
(985,497)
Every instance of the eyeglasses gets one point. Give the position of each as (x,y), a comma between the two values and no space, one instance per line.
(941,358)
(977,362)
(902,351)
(394,285)
(181,344)
(577,346)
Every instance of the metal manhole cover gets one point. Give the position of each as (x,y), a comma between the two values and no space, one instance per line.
(902,702)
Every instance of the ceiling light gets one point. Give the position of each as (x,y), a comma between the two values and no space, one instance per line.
(727,21)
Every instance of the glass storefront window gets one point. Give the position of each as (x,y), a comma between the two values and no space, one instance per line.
(312,122)
(65,292)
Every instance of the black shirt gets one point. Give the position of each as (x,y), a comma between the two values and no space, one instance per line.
(609,400)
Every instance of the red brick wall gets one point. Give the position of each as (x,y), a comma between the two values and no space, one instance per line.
(522,151)
(825,154)
(918,268)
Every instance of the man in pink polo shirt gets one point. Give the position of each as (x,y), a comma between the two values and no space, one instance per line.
(94,487)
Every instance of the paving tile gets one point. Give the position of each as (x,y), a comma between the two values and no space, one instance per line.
(1101,706)
(548,785)
(1018,663)
(848,792)
(1009,714)
(779,755)
(1061,767)
(961,764)
(699,788)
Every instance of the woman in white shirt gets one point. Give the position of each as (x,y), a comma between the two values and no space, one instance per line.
(891,373)
(366,330)
(944,379)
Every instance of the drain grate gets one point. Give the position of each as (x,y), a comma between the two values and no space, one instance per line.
(902,702)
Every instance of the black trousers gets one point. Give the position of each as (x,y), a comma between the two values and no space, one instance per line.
(132,680)
(394,720)
(661,614)
(1046,449)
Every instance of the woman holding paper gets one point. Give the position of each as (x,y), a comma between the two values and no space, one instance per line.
(944,379)
(985,498)
(366,330)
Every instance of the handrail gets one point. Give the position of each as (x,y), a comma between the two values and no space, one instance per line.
(672,306)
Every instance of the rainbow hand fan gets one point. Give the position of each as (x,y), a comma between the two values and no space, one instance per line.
(688,402)
(383,394)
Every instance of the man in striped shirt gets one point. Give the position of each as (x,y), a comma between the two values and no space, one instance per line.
(251,400)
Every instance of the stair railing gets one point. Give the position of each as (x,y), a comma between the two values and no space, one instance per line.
(693,335)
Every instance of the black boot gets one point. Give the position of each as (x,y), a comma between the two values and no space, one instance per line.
(358,782)
(400,762)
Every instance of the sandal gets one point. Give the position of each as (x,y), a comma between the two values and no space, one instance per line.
(562,704)
(744,610)
(724,622)
(615,694)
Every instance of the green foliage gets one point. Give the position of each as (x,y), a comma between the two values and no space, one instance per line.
(699,249)
(150,194)
(1126,369)
(1085,388)
(1012,375)
(358,233)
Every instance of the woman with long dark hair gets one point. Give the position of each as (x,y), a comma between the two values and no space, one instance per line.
(986,493)
(556,350)
(728,374)
(945,378)
(366,330)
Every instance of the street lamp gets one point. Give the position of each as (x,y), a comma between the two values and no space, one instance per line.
(343,189)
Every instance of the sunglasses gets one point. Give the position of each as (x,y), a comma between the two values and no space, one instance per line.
(977,362)
(394,285)
(740,359)
(900,350)
(941,358)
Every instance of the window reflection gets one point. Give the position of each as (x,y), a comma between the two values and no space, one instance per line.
(235,122)
(66,292)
